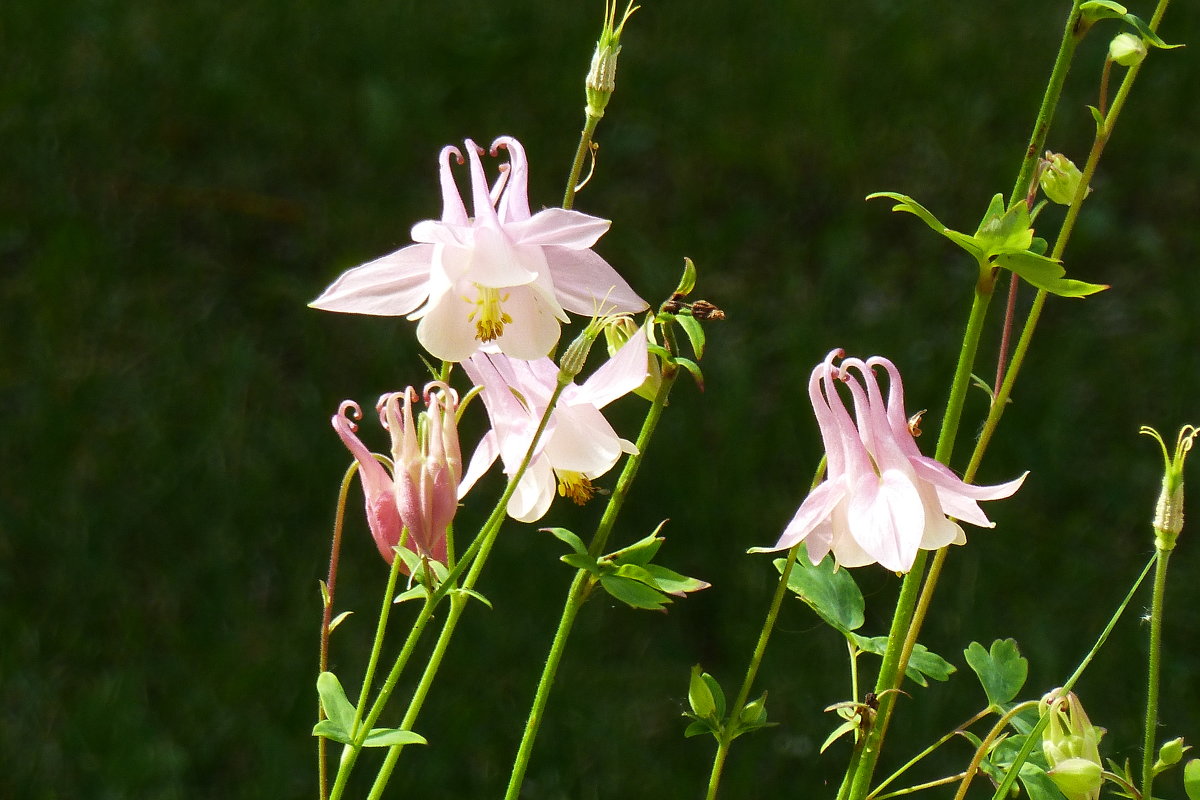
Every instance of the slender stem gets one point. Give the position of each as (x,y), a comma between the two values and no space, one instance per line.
(1154,665)
(922,786)
(760,648)
(585,146)
(335,551)
(1034,739)
(581,585)
(875,793)
(985,746)
(895,657)
(477,555)
(377,646)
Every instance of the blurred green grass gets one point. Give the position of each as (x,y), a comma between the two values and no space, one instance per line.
(178,179)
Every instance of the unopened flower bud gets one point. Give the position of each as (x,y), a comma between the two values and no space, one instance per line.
(1127,49)
(1072,747)
(1168,511)
(1060,178)
(1171,752)
(602,76)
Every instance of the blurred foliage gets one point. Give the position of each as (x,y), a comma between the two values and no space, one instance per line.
(177,180)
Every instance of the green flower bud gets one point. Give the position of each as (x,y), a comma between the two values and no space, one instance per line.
(1127,49)
(1078,778)
(1060,178)
(1171,753)
(1072,747)
(1168,511)
(602,76)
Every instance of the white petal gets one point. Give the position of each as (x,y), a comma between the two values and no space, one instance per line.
(586,284)
(815,509)
(583,441)
(559,226)
(445,331)
(618,376)
(389,286)
(534,329)
(483,458)
(495,262)
(887,518)
(534,493)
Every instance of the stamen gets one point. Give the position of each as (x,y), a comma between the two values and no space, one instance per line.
(574,486)
(489,316)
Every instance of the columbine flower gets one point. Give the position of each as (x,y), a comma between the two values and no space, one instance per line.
(578,444)
(881,500)
(503,276)
(422,494)
(1072,747)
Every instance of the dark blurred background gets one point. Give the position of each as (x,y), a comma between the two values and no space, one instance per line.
(177,180)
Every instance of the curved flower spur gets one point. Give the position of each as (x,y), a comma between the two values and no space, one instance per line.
(881,500)
(504,276)
(421,492)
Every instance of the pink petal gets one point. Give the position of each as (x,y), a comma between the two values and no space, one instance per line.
(389,286)
(887,518)
(583,441)
(560,227)
(453,211)
(586,284)
(514,203)
(815,509)
(485,455)
(618,376)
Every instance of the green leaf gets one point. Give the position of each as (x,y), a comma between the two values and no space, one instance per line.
(838,732)
(829,591)
(1002,670)
(413,593)
(717,692)
(325,598)
(687,281)
(753,715)
(906,203)
(692,367)
(583,562)
(634,593)
(1038,784)
(921,664)
(472,593)
(386,737)
(1098,116)
(330,730)
(700,695)
(1038,270)
(635,572)
(333,700)
(1148,35)
(1191,779)
(695,333)
(573,541)
(1095,10)
(698,727)
(640,552)
(1004,231)
(339,619)
(674,583)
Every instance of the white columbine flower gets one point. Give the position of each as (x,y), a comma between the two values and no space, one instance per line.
(504,276)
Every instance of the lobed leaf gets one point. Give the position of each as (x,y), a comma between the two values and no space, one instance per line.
(1002,669)
(829,591)
(337,707)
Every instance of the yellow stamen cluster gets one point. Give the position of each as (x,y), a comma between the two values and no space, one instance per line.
(574,486)
(489,317)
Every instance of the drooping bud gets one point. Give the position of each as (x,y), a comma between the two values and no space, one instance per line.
(1072,747)
(1127,49)
(1168,511)
(602,76)
(1060,178)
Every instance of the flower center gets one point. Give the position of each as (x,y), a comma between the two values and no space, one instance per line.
(574,486)
(488,315)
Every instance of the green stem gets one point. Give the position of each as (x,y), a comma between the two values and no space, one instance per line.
(760,649)
(335,550)
(895,657)
(1034,739)
(1154,665)
(985,746)
(585,146)
(581,586)
(476,555)
(377,646)
(912,762)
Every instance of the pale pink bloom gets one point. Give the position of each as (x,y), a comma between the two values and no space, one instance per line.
(421,494)
(503,276)
(882,500)
(578,444)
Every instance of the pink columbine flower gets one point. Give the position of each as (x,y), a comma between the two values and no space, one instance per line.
(504,276)
(578,444)
(881,500)
(421,494)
